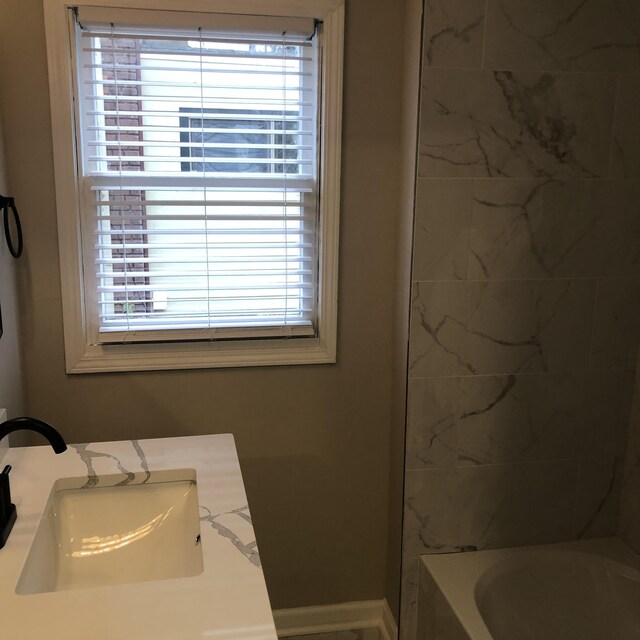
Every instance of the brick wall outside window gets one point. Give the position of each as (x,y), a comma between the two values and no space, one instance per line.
(127,211)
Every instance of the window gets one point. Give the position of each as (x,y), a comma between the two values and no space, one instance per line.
(236,130)
(197,173)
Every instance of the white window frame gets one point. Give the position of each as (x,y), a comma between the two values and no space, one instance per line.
(84,357)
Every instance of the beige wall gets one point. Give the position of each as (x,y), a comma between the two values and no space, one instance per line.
(11,383)
(313,441)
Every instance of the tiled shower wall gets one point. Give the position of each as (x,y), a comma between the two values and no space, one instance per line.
(526,277)
(630,505)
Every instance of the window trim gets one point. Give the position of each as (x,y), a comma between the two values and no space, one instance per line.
(82,357)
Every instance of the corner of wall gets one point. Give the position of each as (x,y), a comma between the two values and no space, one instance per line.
(410,99)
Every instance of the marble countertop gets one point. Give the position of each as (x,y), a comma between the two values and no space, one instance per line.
(228,600)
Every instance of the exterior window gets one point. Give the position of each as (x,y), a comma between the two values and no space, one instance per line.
(228,136)
(204,186)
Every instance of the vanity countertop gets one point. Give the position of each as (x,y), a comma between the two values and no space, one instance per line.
(227,601)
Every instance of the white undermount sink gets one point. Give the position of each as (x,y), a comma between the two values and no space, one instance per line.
(116,533)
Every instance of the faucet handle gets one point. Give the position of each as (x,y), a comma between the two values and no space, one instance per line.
(5,490)
(8,511)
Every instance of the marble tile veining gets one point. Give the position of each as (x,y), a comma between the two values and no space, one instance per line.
(441,232)
(453,33)
(616,332)
(625,156)
(485,507)
(550,229)
(541,417)
(432,423)
(462,328)
(476,420)
(529,326)
(567,35)
(438,320)
(525,311)
(598,497)
(515,124)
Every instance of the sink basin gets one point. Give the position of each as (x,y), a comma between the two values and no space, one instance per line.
(122,530)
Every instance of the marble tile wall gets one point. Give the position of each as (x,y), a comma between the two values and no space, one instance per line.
(372,633)
(629,528)
(525,320)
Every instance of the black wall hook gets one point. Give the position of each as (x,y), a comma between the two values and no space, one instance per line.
(6,204)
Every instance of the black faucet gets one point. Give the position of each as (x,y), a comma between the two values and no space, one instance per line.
(8,513)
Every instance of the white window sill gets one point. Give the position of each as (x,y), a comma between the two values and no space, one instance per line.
(202,355)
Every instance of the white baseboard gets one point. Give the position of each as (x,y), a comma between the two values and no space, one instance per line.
(347,616)
(389,627)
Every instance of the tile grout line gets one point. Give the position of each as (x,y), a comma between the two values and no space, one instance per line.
(484,35)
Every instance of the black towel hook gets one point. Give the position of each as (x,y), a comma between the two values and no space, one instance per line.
(6,204)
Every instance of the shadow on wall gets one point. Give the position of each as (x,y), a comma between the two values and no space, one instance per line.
(298,502)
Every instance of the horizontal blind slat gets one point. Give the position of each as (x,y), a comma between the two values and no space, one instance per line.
(289,214)
(193,145)
(181,318)
(205,232)
(223,87)
(236,279)
(210,262)
(237,116)
(192,246)
(155,129)
(256,307)
(198,159)
(194,53)
(177,38)
(197,182)
(241,291)
(209,57)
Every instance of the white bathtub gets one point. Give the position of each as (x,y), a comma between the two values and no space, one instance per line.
(586,590)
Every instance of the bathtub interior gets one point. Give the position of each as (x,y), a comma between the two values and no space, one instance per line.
(585,590)
(560,595)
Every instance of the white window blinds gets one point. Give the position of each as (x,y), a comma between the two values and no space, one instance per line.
(198,177)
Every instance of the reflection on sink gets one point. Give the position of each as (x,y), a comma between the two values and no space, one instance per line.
(116,533)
